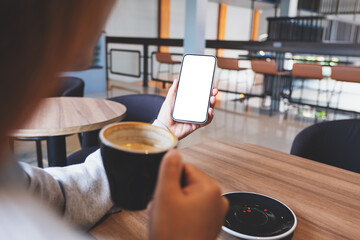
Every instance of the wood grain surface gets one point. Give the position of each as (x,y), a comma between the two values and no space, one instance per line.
(325,199)
(68,115)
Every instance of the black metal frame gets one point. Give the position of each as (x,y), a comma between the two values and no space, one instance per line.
(334,49)
(146,42)
(277,47)
(320,107)
(329,7)
(309,28)
(312,5)
(125,50)
(334,7)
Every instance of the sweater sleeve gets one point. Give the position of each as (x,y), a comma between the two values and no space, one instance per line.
(80,192)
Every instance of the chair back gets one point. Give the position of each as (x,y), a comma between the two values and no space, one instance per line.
(163,57)
(228,63)
(140,107)
(336,143)
(70,87)
(264,67)
(346,73)
(305,70)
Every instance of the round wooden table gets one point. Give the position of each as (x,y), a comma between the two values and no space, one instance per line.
(60,116)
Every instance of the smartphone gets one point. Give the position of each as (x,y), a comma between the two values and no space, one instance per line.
(193,93)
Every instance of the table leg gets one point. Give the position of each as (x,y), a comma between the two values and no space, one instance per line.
(56,148)
(90,139)
(277,93)
(272,104)
(39,153)
(276,90)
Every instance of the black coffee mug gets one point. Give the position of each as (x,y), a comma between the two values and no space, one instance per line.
(131,153)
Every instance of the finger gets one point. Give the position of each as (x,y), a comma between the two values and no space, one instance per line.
(209,119)
(173,87)
(149,207)
(212,101)
(197,181)
(210,115)
(194,176)
(225,204)
(172,91)
(170,172)
(215,91)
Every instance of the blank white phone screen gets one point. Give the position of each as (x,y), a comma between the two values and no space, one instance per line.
(193,93)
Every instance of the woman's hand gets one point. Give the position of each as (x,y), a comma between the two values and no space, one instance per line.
(179,129)
(195,211)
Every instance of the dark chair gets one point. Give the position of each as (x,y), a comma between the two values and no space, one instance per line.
(69,87)
(336,143)
(139,108)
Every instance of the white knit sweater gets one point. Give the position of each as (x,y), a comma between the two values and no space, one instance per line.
(30,197)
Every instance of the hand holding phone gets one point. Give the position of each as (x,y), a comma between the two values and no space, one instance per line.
(193,94)
(183,128)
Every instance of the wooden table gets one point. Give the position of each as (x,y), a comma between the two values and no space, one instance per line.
(325,199)
(60,116)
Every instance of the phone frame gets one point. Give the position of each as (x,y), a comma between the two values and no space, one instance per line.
(211,88)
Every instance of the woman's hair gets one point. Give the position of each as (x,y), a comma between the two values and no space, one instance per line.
(39,40)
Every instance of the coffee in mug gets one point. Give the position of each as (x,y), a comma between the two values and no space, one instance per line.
(131,153)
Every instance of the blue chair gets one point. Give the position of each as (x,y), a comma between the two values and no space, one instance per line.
(70,87)
(139,108)
(336,143)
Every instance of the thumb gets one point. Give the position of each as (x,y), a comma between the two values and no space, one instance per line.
(172,91)
(174,86)
(170,172)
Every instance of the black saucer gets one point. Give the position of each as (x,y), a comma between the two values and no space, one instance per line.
(255,216)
